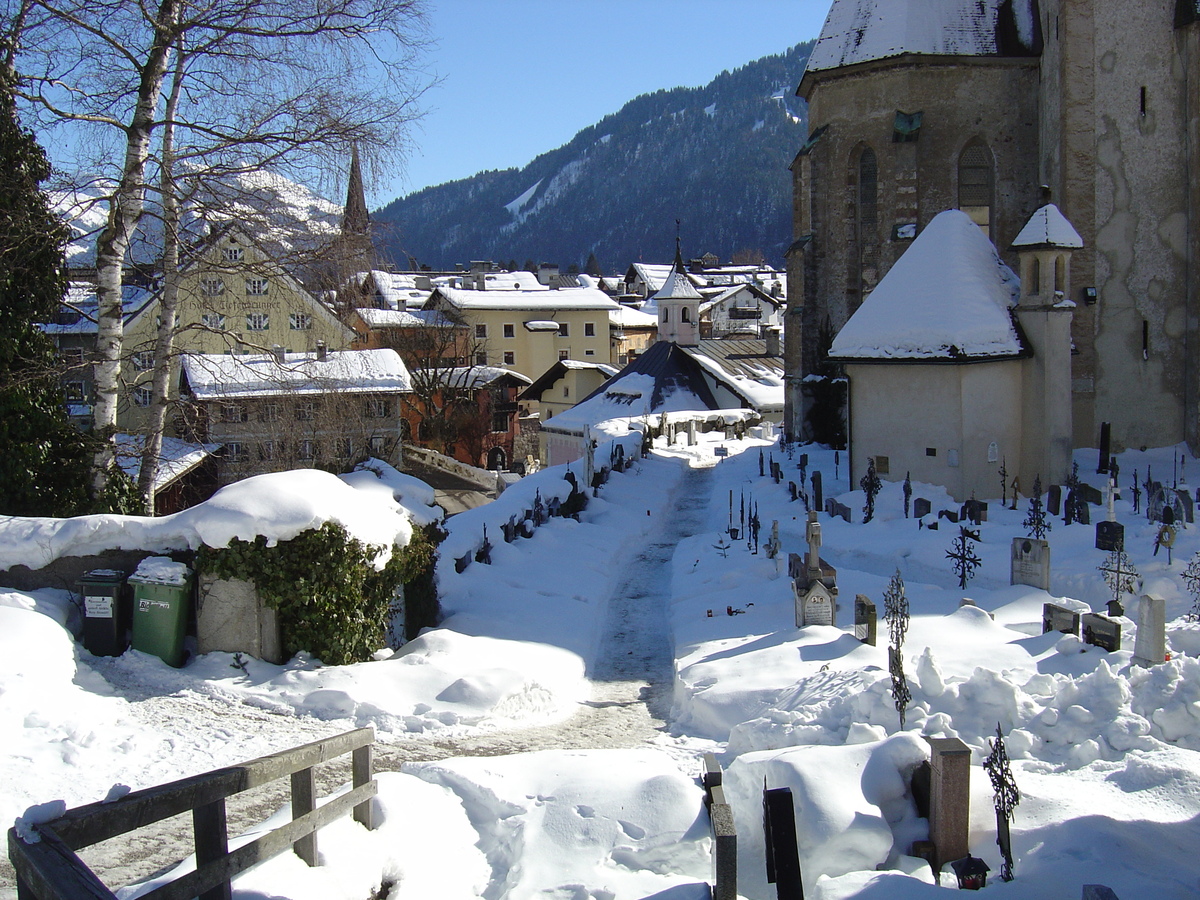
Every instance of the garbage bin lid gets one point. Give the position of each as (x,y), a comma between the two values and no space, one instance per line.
(103,575)
(161,570)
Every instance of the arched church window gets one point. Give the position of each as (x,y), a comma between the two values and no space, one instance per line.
(685,316)
(666,314)
(1060,275)
(975,184)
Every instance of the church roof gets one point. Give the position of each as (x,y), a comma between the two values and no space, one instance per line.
(858,31)
(947,298)
(1048,227)
(678,285)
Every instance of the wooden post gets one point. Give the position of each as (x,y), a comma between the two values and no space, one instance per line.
(362,764)
(304,796)
(212,843)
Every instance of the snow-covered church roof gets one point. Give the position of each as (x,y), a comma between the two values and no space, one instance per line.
(1048,227)
(948,297)
(858,31)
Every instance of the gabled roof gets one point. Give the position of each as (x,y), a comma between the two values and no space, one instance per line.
(858,31)
(78,312)
(227,377)
(175,458)
(948,297)
(745,368)
(628,317)
(399,318)
(547,379)
(734,290)
(476,377)
(516,300)
(1048,228)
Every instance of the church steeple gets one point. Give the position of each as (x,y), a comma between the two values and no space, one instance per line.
(355,218)
(678,304)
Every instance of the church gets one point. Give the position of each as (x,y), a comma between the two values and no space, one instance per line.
(996,108)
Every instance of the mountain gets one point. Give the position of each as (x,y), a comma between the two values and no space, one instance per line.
(714,157)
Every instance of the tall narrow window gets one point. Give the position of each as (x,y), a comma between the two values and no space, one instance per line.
(862,226)
(975,184)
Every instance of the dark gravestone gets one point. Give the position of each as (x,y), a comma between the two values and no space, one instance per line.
(803,461)
(1091,494)
(948,514)
(921,507)
(1083,514)
(797,565)
(1105,448)
(1058,618)
(792,490)
(1110,536)
(831,506)
(844,512)
(1101,631)
(1054,500)
(783,853)
(865,619)
(1184,503)
(461,563)
(974,510)
(818,500)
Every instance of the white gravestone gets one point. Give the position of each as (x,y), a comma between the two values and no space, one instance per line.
(1150,642)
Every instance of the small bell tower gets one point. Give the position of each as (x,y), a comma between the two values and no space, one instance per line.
(678,304)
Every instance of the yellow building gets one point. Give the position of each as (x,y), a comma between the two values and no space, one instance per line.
(233,299)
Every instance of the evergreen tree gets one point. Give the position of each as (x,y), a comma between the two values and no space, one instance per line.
(592,266)
(45,467)
(1036,524)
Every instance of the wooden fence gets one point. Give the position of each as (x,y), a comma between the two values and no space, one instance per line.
(49,869)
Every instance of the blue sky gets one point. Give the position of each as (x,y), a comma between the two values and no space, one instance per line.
(520,77)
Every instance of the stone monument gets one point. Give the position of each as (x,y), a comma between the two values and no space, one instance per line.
(815,584)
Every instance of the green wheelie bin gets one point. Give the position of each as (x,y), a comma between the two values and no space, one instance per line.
(162,591)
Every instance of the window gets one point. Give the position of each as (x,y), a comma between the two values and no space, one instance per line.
(306,410)
(344,448)
(256,287)
(589,352)
(509,331)
(212,287)
(257,321)
(306,450)
(481,331)
(299,321)
(233,412)
(499,421)
(73,391)
(931,451)
(566,391)
(378,408)
(143,360)
(564,329)
(685,315)
(71,357)
(235,451)
(509,358)
(215,321)
(975,183)
(267,450)
(268,412)
(233,254)
(142,396)
(666,314)
(378,445)
(589,329)
(481,357)
(564,354)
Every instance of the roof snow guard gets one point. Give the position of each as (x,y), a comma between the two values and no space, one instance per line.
(859,31)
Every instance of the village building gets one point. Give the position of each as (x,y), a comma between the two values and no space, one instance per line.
(277,411)
(564,384)
(740,309)
(915,108)
(187,473)
(957,370)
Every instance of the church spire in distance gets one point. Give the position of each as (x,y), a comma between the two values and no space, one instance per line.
(355,219)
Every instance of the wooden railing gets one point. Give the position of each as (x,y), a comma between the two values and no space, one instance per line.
(49,869)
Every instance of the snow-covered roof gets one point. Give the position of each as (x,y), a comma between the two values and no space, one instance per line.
(176,457)
(564,299)
(400,318)
(858,31)
(610,371)
(743,367)
(221,377)
(628,317)
(78,313)
(1048,227)
(677,286)
(396,290)
(479,376)
(948,297)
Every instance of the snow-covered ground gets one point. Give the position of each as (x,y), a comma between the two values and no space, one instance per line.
(1105,753)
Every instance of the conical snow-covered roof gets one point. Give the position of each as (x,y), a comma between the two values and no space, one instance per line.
(1048,227)
(858,31)
(677,286)
(948,297)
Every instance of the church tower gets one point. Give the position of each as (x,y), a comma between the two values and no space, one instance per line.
(678,304)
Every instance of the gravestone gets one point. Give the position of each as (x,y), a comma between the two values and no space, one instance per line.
(1030,563)
(1083,514)
(973,510)
(1186,505)
(818,501)
(1150,642)
(1110,536)
(921,507)
(782,848)
(796,565)
(1091,494)
(865,619)
(792,490)
(949,799)
(1054,500)
(837,510)
(817,606)
(1059,618)
(949,515)
(1101,631)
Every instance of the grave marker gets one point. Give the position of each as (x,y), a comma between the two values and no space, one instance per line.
(949,799)
(921,507)
(1101,631)
(1150,642)
(1105,445)
(783,852)
(1059,618)
(1030,563)
(818,495)
(1054,500)
(865,619)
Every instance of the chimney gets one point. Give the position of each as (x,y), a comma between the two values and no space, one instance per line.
(279,353)
(771,336)
(322,351)
(548,274)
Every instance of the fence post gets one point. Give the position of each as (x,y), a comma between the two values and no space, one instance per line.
(362,763)
(304,796)
(212,843)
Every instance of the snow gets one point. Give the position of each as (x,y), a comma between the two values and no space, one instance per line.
(528,299)
(515,206)
(947,296)
(1048,227)
(221,376)
(1104,752)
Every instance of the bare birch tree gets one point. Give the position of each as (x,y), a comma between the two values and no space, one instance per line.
(280,84)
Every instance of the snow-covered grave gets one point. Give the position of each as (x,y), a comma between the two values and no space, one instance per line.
(1105,753)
